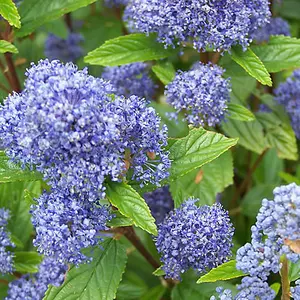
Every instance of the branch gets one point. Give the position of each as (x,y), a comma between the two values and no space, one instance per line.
(5,73)
(15,84)
(285,283)
(68,21)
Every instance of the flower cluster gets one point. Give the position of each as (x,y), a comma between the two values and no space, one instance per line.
(201,94)
(115,3)
(194,237)
(34,287)
(67,50)
(216,24)
(65,224)
(288,94)
(277,26)
(295,291)
(6,257)
(160,203)
(131,79)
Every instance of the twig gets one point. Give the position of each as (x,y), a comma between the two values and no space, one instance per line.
(118,13)
(15,83)
(93,7)
(5,73)
(285,283)
(204,57)
(215,58)
(68,21)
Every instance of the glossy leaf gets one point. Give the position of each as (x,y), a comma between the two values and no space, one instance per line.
(131,205)
(128,49)
(7,47)
(9,12)
(164,71)
(27,262)
(239,112)
(119,220)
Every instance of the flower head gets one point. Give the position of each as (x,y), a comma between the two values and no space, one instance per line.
(201,94)
(67,50)
(216,24)
(295,290)
(194,237)
(131,79)
(288,94)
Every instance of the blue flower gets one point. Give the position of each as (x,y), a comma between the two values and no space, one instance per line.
(194,237)
(34,287)
(201,94)
(277,26)
(295,291)
(67,50)
(160,202)
(288,94)
(216,24)
(6,257)
(131,79)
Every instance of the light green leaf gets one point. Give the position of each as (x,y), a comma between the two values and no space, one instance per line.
(34,13)
(280,53)
(131,205)
(128,49)
(16,241)
(195,150)
(119,220)
(7,47)
(205,183)
(225,271)
(27,262)
(275,287)
(288,178)
(239,112)
(165,72)
(294,271)
(96,280)
(9,12)
(159,272)
(252,64)
(10,172)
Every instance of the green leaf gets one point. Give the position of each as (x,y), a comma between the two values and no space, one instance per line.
(195,150)
(27,262)
(205,183)
(164,71)
(239,112)
(7,47)
(17,242)
(294,271)
(288,178)
(11,172)
(34,13)
(280,53)
(225,271)
(96,280)
(128,49)
(159,272)
(131,205)
(290,9)
(275,287)
(29,197)
(252,64)
(9,12)
(155,293)
(119,220)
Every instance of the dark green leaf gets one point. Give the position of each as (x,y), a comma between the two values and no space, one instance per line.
(119,220)
(290,9)
(128,49)
(96,280)
(155,293)
(239,112)
(34,13)
(131,205)
(225,271)
(252,64)
(195,150)
(27,262)
(281,52)
(164,71)
(7,47)
(10,172)
(9,12)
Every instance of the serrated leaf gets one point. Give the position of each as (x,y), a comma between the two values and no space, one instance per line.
(195,150)
(96,280)
(165,72)
(11,172)
(206,183)
(34,13)
(225,271)
(9,12)
(239,112)
(252,64)
(128,49)
(131,205)
(27,262)
(119,220)
(280,53)
(159,272)
(7,47)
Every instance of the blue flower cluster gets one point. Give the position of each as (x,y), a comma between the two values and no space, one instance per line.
(288,94)
(131,79)
(194,237)
(216,24)
(201,94)
(6,257)
(277,26)
(295,291)
(34,287)
(160,203)
(67,50)
(115,3)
